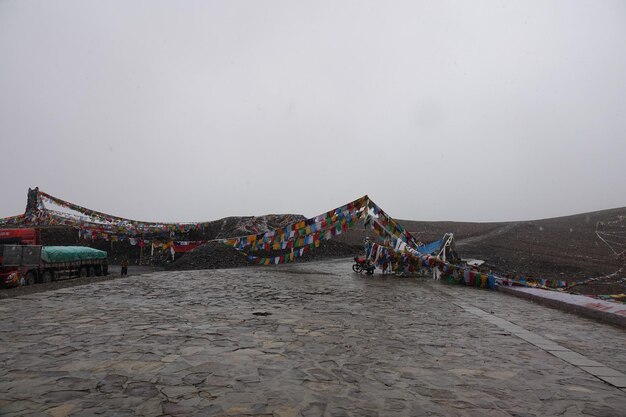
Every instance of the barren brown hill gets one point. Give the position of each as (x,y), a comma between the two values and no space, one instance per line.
(563,248)
(557,248)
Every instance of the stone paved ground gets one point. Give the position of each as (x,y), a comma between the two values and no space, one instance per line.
(311,339)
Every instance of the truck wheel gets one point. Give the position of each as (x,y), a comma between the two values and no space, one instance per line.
(83,272)
(30,278)
(46,277)
(91,272)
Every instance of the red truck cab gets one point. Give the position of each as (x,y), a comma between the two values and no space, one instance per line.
(11,275)
(20,237)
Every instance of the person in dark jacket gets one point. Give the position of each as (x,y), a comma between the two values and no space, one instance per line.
(125,267)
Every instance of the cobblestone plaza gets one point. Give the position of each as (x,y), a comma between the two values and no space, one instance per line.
(301,340)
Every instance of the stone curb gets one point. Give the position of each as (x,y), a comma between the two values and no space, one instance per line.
(585,306)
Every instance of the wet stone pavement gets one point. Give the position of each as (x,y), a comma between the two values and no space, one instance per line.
(297,340)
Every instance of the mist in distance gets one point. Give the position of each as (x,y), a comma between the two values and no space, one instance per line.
(170,111)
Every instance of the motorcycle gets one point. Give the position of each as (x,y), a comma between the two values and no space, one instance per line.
(361,264)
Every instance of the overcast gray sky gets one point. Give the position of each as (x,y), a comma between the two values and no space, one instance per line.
(189,111)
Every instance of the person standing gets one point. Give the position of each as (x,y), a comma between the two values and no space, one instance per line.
(124,267)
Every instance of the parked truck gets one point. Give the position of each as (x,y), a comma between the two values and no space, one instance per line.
(24,261)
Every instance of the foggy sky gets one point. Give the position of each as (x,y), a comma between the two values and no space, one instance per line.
(191,111)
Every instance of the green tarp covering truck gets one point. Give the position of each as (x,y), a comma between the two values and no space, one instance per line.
(51,254)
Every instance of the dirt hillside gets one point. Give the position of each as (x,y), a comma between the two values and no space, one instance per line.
(566,248)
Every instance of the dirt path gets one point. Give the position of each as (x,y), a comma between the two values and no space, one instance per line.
(487,236)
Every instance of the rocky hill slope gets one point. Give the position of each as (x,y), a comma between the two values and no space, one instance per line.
(568,248)
(557,248)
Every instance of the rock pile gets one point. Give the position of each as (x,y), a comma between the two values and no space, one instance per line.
(214,255)
(211,255)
